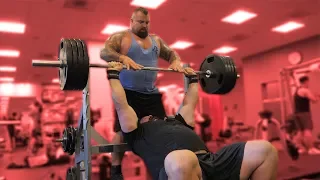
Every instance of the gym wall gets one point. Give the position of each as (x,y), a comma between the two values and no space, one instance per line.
(234,101)
(265,67)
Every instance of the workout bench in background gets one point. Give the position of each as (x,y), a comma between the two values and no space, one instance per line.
(217,75)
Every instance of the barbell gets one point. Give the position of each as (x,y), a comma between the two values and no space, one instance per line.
(217,74)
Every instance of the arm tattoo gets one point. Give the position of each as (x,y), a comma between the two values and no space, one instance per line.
(167,53)
(111,50)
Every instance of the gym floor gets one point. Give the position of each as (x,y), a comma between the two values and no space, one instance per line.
(307,167)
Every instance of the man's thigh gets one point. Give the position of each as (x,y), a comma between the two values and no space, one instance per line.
(224,164)
(304,121)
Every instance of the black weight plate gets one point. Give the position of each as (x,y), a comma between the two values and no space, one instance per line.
(71,174)
(72,140)
(69,72)
(227,86)
(233,75)
(227,76)
(82,50)
(65,140)
(81,81)
(86,60)
(213,84)
(63,60)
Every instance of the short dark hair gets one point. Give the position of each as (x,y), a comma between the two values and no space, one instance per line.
(303,79)
(141,9)
(267,114)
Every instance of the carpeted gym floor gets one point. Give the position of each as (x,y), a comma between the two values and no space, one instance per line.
(307,167)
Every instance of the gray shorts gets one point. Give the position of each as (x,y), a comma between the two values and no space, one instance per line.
(304,121)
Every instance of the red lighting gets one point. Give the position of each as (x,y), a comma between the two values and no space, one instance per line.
(225,49)
(113,28)
(8,69)
(151,4)
(239,17)
(288,27)
(12,27)
(9,53)
(181,45)
(6,79)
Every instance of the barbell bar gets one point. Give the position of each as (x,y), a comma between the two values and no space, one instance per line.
(59,64)
(217,74)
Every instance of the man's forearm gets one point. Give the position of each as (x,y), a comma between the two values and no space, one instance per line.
(192,95)
(108,54)
(118,93)
(174,57)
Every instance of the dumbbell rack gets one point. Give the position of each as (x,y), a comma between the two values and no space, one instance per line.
(83,148)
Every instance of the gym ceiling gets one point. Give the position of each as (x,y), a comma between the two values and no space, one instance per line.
(202,23)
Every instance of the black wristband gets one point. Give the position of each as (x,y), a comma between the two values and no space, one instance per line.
(113,74)
(192,79)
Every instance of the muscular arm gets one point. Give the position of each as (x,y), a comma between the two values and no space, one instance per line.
(307,93)
(127,117)
(189,104)
(167,53)
(111,50)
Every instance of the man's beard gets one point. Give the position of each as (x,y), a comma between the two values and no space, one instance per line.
(142,34)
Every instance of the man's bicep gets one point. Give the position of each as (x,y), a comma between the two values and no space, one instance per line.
(128,118)
(310,95)
(114,41)
(187,112)
(166,52)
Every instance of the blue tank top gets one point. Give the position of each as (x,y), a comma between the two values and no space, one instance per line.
(141,81)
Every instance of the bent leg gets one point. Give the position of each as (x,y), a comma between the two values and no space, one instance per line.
(260,161)
(182,165)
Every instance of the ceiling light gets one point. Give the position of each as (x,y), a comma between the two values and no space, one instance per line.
(9,53)
(151,4)
(288,27)
(239,17)
(181,45)
(6,79)
(113,28)
(225,49)
(7,69)
(12,27)
(56,80)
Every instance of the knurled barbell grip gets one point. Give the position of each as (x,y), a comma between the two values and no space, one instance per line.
(58,64)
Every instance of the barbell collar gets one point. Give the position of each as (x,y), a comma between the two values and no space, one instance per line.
(58,140)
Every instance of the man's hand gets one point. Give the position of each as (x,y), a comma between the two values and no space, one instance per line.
(129,63)
(188,71)
(176,66)
(115,66)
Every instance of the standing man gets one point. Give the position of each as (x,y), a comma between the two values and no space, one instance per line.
(302,99)
(136,48)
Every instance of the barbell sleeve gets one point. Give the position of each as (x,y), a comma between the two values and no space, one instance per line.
(59,64)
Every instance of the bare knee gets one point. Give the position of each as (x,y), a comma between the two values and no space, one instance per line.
(182,164)
(263,149)
(255,154)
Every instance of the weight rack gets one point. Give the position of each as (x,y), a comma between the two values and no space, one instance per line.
(83,148)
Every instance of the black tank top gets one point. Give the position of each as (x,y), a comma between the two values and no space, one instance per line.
(154,140)
(301,104)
